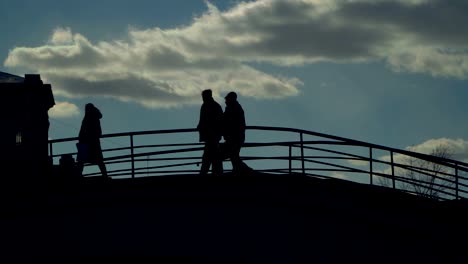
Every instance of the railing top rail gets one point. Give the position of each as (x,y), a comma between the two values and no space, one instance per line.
(445,161)
(364,144)
(133,133)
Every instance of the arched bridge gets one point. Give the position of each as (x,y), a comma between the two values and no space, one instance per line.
(278,150)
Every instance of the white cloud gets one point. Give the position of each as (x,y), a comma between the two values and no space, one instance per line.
(169,67)
(358,163)
(64,110)
(62,36)
(341,176)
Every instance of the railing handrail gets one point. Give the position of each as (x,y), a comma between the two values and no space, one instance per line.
(364,144)
(445,161)
(445,184)
(133,133)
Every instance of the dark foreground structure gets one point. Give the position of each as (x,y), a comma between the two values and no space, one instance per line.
(291,211)
(25,124)
(259,218)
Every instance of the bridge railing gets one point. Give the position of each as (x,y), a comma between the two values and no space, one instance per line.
(280,151)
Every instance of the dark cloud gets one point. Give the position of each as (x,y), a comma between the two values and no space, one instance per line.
(171,66)
(438,21)
(126,88)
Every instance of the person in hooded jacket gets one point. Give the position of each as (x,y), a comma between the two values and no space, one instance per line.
(89,145)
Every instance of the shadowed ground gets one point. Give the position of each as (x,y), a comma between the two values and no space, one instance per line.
(252,219)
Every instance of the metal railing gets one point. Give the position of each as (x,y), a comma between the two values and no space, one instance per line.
(176,151)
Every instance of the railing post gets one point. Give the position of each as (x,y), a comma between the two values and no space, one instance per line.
(133,157)
(456,181)
(393,169)
(370,165)
(302,154)
(290,159)
(51,152)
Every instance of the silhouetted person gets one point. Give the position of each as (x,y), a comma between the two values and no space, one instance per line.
(210,130)
(89,140)
(234,130)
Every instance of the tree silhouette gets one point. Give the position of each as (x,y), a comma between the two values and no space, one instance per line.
(425,177)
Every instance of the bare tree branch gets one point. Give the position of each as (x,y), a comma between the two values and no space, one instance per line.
(425,178)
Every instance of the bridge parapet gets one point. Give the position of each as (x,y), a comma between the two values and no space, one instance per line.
(280,150)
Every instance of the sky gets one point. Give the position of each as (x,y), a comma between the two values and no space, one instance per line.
(389,72)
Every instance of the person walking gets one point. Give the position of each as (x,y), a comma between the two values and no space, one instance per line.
(89,145)
(234,130)
(210,131)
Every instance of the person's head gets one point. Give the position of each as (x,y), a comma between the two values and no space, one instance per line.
(89,108)
(207,95)
(230,98)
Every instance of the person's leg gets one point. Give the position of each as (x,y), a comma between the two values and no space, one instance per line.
(206,160)
(103,169)
(80,166)
(95,154)
(234,155)
(217,161)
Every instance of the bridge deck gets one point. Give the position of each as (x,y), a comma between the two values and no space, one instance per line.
(258,218)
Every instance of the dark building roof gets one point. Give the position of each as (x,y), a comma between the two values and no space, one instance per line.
(10,78)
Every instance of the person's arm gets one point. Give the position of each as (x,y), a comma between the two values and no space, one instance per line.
(200,120)
(243,125)
(202,123)
(97,113)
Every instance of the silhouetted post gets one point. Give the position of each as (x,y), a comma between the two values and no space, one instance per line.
(456,181)
(68,170)
(133,158)
(51,151)
(290,159)
(302,154)
(370,164)
(393,169)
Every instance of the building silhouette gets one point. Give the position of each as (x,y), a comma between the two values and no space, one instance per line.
(25,124)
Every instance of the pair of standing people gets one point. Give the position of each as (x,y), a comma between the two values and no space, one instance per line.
(215,124)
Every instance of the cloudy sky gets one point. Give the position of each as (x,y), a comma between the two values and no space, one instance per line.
(390,72)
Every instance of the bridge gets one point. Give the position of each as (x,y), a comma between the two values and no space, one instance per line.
(312,197)
(295,151)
